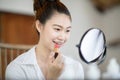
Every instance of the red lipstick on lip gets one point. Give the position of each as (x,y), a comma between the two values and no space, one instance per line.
(56,46)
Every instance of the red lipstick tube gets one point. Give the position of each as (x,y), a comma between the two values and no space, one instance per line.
(56,50)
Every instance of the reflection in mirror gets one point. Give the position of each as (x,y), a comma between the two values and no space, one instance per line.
(92,46)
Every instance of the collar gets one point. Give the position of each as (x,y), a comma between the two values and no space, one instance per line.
(28,57)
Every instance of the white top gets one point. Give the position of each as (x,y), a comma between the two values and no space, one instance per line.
(25,67)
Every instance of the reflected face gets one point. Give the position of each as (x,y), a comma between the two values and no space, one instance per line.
(55,31)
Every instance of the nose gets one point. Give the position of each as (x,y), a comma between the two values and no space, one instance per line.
(62,36)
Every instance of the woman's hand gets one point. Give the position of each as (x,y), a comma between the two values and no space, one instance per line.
(55,67)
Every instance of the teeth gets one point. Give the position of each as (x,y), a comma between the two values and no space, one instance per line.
(59,43)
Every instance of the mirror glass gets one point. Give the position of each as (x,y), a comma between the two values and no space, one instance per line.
(92,46)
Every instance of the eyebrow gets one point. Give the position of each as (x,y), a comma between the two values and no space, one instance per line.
(61,26)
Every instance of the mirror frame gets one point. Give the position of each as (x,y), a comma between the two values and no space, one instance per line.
(100,58)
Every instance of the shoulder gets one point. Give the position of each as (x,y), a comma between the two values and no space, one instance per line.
(15,64)
(76,66)
(73,62)
(14,69)
(25,57)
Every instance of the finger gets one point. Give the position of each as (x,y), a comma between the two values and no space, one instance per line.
(59,59)
(51,57)
(62,60)
(61,65)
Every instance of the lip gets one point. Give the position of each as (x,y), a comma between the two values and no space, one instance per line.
(58,44)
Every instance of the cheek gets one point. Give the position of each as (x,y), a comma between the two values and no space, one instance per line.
(51,35)
(67,37)
(54,35)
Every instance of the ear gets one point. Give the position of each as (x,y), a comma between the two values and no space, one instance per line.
(38,25)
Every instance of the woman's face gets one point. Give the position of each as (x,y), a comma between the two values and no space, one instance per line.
(55,31)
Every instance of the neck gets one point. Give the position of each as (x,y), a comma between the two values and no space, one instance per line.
(42,53)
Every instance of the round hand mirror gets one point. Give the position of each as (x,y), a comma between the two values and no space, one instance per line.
(92,46)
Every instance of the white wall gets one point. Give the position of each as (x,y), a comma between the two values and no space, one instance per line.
(17,6)
(111,21)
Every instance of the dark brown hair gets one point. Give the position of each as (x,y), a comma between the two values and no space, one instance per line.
(44,9)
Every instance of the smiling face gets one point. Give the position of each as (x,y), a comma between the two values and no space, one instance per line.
(55,31)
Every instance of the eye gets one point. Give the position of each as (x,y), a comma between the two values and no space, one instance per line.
(67,30)
(56,29)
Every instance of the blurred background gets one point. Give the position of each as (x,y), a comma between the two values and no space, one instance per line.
(17,32)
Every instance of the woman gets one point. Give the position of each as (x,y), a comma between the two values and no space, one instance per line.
(53,24)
